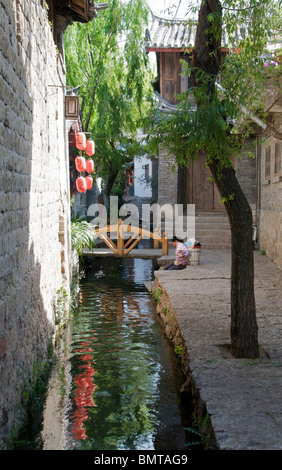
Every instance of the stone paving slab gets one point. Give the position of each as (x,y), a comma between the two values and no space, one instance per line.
(242,396)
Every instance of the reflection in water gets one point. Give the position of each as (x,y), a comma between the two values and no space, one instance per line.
(116,382)
(83,396)
(123,394)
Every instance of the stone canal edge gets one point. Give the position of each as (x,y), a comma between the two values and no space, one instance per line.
(241,397)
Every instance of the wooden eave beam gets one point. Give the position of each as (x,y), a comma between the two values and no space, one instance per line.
(169,49)
(79,10)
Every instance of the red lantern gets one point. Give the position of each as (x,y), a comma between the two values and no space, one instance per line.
(80,140)
(81,185)
(89,165)
(89,182)
(90,147)
(80,164)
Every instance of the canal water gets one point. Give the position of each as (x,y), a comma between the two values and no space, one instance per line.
(118,386)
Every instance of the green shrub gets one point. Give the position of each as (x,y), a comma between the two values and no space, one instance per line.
(82,235)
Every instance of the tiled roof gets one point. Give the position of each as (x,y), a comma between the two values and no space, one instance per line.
(165,33)
(168,33)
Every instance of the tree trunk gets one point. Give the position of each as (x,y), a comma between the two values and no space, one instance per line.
(206,55)
(108,187)
(244,331)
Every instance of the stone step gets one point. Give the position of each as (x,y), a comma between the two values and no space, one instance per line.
(212,230)
(210,233)
(199,224)
(213,227)
(202,224)
(216,246)
(210,221)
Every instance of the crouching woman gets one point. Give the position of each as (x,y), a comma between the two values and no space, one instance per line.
(181,255)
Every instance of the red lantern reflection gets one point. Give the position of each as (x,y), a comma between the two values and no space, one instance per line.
(83,397)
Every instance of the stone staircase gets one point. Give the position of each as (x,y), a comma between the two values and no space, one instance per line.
(212,229)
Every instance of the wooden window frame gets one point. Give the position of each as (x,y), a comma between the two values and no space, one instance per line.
(267,165)
(277,156)
(271,150)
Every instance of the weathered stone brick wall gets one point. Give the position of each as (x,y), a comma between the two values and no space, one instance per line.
(34,196)
(270,199)
(246,170)
(167,178)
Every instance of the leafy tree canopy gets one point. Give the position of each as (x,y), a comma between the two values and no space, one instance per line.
(220,121)
(211,118)
(107,57)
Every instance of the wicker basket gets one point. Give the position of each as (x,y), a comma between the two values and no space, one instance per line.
(195,255)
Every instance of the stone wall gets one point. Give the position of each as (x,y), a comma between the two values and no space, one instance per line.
(270,198)
(246,171)
(167,179)
(264,193)
(34,196)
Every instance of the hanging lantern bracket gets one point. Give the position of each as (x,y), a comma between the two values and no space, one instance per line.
(71,107)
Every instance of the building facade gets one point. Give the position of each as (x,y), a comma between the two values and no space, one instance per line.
(269,176)
(259,177)
(35,245)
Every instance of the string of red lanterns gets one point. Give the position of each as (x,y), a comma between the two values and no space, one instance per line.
(82,164)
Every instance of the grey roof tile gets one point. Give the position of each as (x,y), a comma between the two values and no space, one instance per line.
(170,33)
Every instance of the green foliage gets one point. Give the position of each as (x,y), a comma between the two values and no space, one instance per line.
(201,431)
(178,350)
(35,384)
(118,188)
(230,197)
(220,123)
(82,235)
(107,56)
(32,399)
(62,308)
(157,294)
(189,131)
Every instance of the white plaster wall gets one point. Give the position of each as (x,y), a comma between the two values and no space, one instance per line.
(141,189)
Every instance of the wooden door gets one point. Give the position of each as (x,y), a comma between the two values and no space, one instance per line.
(195,187)
(202,189)
(170,80)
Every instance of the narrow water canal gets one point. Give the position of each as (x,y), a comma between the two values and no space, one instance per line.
(119,387)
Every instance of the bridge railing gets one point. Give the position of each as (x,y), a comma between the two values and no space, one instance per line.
(123,247)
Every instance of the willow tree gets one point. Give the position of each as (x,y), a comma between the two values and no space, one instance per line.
(106,58)
(223,91)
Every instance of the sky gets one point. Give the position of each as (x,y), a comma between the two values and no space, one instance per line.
(170,7)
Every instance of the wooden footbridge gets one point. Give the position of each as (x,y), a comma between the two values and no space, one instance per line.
(127,237)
